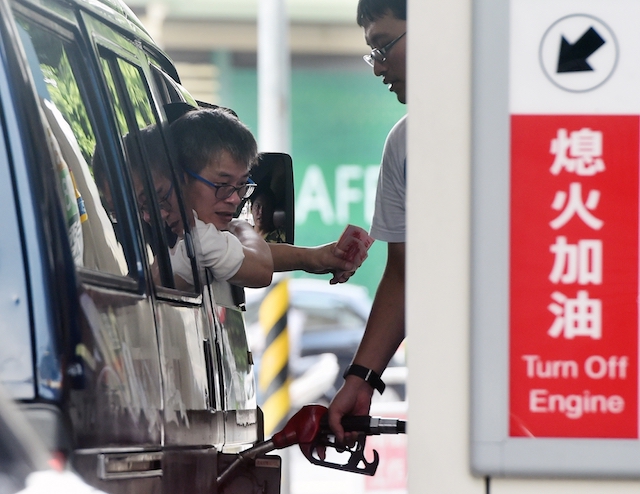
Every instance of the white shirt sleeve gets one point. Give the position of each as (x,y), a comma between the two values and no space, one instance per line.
(220,251)
(388,222)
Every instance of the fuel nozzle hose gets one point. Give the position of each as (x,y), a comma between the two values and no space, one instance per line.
(309,428)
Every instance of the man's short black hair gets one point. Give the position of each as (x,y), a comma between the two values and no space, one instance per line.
(372,10)
(202,135)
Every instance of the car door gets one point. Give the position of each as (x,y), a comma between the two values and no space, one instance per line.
(192,404)
(227,334)
(99,368)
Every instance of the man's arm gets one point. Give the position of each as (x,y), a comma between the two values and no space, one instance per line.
(317,260)
(257,267)
(382,337)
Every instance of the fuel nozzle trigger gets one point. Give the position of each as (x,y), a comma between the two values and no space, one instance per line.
(309,428)
(357,463)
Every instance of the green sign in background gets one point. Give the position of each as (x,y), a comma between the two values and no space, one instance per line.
(340,119)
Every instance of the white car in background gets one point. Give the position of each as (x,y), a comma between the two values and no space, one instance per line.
(326,323)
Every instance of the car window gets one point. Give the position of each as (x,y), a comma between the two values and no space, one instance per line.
(168,92)
(95,236)
(171,91)
(161,215)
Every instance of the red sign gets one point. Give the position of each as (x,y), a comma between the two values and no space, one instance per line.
(574,276)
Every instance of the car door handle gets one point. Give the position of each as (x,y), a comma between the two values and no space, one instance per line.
(129,465)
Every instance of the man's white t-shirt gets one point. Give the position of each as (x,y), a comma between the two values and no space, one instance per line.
(221,252)
(388,222)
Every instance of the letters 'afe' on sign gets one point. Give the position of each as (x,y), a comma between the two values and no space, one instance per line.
(555,239)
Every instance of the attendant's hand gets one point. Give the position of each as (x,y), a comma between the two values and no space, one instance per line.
(353,398)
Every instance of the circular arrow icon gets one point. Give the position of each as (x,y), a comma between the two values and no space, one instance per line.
(578,53)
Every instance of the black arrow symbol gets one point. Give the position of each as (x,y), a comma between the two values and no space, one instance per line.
(573,57)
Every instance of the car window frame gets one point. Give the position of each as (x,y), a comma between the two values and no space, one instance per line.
(90,90)
(137,56)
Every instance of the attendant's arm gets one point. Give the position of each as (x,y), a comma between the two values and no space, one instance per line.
(382,337)
(317,260)
(257,267)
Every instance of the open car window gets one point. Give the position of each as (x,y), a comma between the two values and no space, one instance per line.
(162,218)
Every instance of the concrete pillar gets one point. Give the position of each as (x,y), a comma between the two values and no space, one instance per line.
(438,182)
(273,77)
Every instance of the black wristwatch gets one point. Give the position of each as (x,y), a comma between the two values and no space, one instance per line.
(370,377)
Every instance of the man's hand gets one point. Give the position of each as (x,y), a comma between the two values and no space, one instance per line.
(322,259)
(353,398)
(340,275)
(329,258)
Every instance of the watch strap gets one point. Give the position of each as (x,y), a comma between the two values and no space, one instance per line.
(370,377)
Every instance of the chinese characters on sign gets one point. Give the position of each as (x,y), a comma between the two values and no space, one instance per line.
(574,276)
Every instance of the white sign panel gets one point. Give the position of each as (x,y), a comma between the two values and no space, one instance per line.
(556,228)
(574,57)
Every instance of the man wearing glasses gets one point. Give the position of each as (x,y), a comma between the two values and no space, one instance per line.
(216,152)
(385,28)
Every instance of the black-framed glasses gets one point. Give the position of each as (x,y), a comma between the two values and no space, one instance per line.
(163,202)
(226,191)
(380,54)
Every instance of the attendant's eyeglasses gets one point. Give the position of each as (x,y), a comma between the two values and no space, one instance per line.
(380,54)
(224,191)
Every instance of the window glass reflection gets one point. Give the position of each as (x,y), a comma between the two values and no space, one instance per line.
(92,228)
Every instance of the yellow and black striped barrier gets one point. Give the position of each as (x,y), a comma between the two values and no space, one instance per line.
(273,380)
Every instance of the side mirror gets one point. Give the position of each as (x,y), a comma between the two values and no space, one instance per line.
(275,194)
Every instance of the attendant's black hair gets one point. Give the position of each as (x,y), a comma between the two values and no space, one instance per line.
(372,10)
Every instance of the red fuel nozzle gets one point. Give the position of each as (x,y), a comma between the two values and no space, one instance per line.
(309,428)
(302,428)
